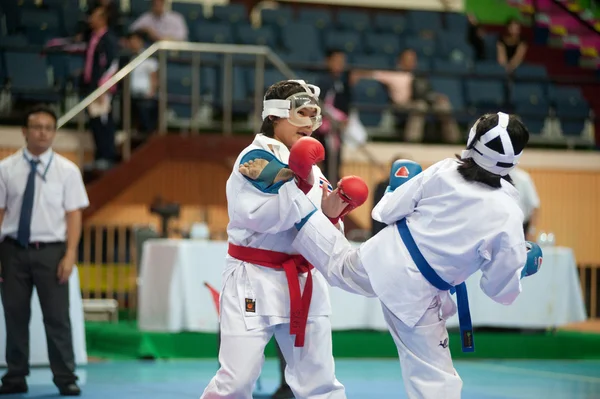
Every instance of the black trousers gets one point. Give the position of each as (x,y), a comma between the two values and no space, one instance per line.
(103,131)
(23,269)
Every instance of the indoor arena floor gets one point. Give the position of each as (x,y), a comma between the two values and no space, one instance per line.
(364,379)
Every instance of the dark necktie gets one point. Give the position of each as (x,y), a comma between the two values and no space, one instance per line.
(27,206)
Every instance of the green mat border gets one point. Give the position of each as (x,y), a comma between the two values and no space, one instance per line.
(124,341)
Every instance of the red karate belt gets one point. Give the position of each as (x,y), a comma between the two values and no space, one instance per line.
(293,265)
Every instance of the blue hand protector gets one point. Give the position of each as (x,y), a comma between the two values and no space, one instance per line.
(401,172)
(534,259)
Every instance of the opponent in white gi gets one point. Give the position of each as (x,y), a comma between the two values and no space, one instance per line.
(443,224)
(268,289)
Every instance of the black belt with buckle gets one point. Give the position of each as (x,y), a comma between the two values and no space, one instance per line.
(35,245)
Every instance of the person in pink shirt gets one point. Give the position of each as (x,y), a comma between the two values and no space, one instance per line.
(414,94)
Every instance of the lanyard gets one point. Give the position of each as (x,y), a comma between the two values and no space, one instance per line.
(42,175)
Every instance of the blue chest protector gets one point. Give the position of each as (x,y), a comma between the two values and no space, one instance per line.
(462,300)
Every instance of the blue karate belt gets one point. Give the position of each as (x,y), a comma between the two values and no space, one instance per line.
(462,299)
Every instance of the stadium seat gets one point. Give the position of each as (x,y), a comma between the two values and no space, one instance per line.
(320,19)
(389,22)
(527,92)
(233,13)
(424,47)
(40,25)
(371,61)
(455,47)
(352,20)
(347,41)
(193,13)
(28,74)
(382,43)
(138,7)
(302,38)
(371,94)
(531,72)
(213,32)
(485,95)
(456,23)
(280,17)
(489,69)
(452,88)
(264,36)
(446,67)
(533,114)
(420,21)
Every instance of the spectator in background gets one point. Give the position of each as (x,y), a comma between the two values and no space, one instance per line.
(160,24)
(113,14)
(144,87)
(475,37)
(335,92)
(528,201)
(100,64)
(414,94)
(511,49)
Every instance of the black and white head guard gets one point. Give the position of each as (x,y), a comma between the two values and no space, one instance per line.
(487,158)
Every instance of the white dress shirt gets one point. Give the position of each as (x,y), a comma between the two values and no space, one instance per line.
(170,24)
(59,189)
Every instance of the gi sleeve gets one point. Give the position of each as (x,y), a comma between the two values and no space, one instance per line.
(501,279)
(401,202)
(263,207)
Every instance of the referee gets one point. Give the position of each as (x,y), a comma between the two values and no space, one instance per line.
(41,198)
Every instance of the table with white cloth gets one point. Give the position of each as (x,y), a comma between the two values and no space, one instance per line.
(173,298)
(38,347)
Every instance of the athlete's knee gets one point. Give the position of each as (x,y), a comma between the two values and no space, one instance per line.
(229,385)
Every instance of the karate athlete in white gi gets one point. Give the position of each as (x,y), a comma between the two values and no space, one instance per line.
(268,289)
(443,224)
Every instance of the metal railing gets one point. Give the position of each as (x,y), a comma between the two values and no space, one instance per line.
(262,54)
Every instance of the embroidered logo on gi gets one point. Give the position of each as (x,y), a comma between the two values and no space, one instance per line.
(402,172)
(322,181)
(250,305)
(444,343)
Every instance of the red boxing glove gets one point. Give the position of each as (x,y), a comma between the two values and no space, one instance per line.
(305,153)
(354,191)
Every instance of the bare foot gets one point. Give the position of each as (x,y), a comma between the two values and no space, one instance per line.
(254,168)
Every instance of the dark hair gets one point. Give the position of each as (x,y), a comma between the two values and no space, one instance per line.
(334,51)
(278,91)
(39,109)
(519,137)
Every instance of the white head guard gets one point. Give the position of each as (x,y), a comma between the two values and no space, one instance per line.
(290,107)
(491,160)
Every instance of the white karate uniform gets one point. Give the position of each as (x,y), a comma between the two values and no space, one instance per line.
(266,221)
(459,227)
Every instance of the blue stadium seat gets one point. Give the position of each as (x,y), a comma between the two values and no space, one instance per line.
(389,22)
(359,21)
(320,19)
(443,66)
(302,39)
(382,43)
(533,114)
(452,88)
(490,41)
(179,79)
(457,23)
(212,32)
(280,17)
(138,7)
(531,72)
(28,76)
(346,41)
(489,69)
(272,76)
(565,94)
(527,92)
(13,41)
(423,65)
(572,115)
(40,25)
(419,21)
(370,93)
(371,61)
(451,46)
(485,94)
(264,36)
(233,13)
(193,13)
(424,47)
